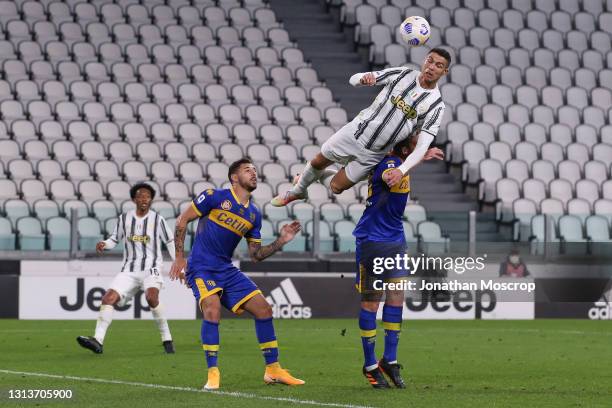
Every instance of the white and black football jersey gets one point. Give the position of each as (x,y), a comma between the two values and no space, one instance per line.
(400,107)
(142,238)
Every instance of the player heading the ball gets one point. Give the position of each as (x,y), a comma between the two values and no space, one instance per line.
(410,99)
(225,217)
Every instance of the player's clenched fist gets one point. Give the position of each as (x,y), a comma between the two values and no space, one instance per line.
(393,177)
(288,232)
(368,79)
(100,247)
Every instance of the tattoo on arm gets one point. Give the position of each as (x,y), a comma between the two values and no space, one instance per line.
(179,239)
(260,253)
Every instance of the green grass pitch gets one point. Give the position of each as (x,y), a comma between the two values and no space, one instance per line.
(541,363)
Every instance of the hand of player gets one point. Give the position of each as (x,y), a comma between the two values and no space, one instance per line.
(393,177)
(100,247)
(434,153)
(368,79)
(289,231)
(176,271)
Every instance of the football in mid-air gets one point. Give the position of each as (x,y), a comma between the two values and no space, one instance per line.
(415,30)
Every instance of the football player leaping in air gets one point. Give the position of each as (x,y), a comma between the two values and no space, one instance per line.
(410,99)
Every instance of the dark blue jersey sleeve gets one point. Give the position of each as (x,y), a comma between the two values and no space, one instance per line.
(254,234)
(205,201)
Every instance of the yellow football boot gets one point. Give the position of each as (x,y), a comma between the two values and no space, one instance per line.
(275,374)
(214,379)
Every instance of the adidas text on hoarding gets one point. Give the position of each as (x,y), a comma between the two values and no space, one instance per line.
(287,303)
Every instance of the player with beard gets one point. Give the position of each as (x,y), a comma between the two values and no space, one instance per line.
(225,217)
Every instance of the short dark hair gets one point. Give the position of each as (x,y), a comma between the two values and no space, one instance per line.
(443,53)
(233,168)
(138,186)
(397,149)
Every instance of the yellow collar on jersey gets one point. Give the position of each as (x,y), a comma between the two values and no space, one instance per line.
(237,199)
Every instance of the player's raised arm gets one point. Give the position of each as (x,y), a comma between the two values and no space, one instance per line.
(114,238)
(287,233)
(377,77)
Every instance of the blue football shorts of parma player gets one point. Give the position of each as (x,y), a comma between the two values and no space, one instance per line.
(209,267)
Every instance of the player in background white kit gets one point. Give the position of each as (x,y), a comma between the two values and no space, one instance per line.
(142,231)
(410,100)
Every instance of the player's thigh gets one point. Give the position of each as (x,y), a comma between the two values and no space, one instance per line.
(365,277)
(205,285)
(360,168)
(126,284)
(152,283)
(341,147)
(258,306)
(238,290)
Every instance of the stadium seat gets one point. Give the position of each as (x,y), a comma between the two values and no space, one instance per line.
(571,234)
(343,230)
(31,236)
(431,238)
(90,233)
(58,230)
(7,236)
(326,239)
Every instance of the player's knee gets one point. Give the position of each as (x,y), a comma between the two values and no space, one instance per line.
(152,299)
(211,310)
(320,162)
(264,312)
(394,298)
(335,187)
(212,314)
(110,297)
(370,306)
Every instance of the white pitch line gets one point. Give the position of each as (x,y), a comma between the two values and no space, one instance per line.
(186,389)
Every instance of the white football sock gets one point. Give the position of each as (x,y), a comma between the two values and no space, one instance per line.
(372,367)
(105,318)
(308,176)
(162,323)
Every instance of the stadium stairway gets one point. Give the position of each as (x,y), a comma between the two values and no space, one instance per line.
(321,39)
(441,193)
(331,51)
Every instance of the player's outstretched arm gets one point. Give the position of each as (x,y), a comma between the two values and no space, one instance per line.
(112,241)
(180,230)
(287,233)
(376,78)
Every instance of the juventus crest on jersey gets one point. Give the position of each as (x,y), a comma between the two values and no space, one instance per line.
(401,106)
(142,238)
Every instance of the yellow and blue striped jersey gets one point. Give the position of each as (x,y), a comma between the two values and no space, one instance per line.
(382,219)
(218,235)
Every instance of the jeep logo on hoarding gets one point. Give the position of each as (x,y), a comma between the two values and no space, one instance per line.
(93,299)
(461,300)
